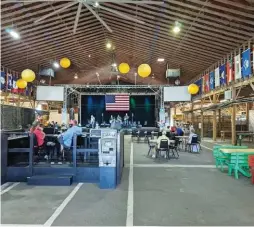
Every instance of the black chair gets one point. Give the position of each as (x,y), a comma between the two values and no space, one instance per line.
(199,142)
(164,146)
(175,147)
(194,143)
(151,146)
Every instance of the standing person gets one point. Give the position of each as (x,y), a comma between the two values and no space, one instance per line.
(72,113)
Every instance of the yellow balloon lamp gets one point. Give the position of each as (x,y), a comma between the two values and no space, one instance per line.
(28,75)
(144,70)
(21,83)
(65,63)
(124,68)
(193,89)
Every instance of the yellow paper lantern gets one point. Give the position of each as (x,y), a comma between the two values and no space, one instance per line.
(124,68)
(65,63)
(144,70)
(21,83)
(193,89)
(28,75)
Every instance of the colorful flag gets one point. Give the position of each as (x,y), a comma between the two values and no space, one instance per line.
(223,78)
(118,102)
(15,88)
(246,63)
(9,81)
(230,71)
(199,84)
(217,77)
(253,56)
(211,80)
(238,73)
(3,80)
(206,82)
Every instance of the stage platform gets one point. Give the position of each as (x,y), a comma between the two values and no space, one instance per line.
(188,191)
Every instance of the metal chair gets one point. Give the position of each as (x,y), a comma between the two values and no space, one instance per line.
(151,146)
(194,143)
(164,146)
(175,148)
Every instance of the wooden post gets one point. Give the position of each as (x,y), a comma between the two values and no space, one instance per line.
(233,117)
(192,114)
(214,120)
(174,116)
(219,126)
(247,115)
(202,125)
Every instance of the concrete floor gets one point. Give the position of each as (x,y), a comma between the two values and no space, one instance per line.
(187,191)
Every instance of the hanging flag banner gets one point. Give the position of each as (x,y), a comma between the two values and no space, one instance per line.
(206,82)
(217,77)
(3,80)
(211,81)
(253,56)
(15,88)
(246,63)
(230,72)
(238,73)
(9,81)
(199,84)
(223,79)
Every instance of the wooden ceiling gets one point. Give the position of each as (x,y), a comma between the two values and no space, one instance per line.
(210,30)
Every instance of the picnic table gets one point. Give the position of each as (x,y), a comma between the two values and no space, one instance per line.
(241,135)
(237,160)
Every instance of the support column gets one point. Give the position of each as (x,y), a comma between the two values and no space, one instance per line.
(233,116)
(192,114)
(214,120)
(174,121)
(247,115)
(202,125)
(219,114)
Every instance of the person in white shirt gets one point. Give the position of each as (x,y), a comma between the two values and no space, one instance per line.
(162,137)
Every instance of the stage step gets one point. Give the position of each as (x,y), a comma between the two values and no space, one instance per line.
(50,180)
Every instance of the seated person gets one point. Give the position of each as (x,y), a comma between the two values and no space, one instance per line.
(65,139)
(162,137)
(39,134)
(179,131)
(173,129)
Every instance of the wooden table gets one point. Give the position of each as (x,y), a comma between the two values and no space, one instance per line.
(241,135)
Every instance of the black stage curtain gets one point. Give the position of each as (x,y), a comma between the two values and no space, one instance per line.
(142,108)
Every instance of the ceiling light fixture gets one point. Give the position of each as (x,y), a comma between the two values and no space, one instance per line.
(13,33)
(108,45)
(89,55)
(97,74)
(177,27)
(56,65)
(114,64)
(160,59)
(96,4)
(75,76)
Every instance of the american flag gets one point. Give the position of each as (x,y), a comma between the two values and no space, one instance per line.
(118,102)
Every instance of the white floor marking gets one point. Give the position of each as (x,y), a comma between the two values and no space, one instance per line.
(9,188)
(129,217)
(206,147)
(5,185)
(59,210)
(20,225)
(171,166)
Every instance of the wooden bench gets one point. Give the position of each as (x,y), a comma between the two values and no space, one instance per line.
(239,163)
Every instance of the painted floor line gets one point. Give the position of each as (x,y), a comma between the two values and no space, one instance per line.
(5,185)
(206,147)
(171,166)
(21,225)
(9,188)
(129,217)
(59,210)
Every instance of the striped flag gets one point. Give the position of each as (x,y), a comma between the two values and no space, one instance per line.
(117,102)
(206,82)
(238,73)
(217,77)
(230,72)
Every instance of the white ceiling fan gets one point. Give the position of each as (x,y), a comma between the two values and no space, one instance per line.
(90,5)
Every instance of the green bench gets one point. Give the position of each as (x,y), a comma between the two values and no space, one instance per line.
(222,159)
(239,163)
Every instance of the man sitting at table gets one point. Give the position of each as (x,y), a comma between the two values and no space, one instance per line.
(65,139)
(162,137)
(179,131)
